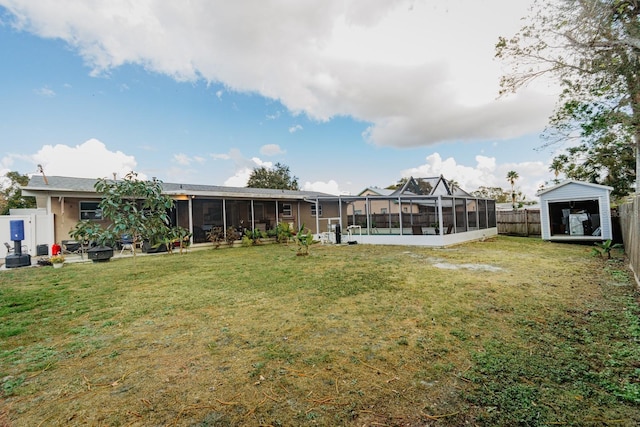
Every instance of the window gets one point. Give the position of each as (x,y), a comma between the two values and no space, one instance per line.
(90,210)
(286,209)
(384,210)
(358,212)
(313,210)
(405,209)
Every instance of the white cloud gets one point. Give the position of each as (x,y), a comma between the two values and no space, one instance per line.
(271,150)
(330,187)
(484,173)
(182,159)
(417,72)
(45,92)
(294,129)
(90,159)
(243,167)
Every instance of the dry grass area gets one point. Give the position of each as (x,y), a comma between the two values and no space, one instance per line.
(509,331)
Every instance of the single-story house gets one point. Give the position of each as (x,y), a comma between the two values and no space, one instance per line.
(198,208)
(576,211)
(429,220)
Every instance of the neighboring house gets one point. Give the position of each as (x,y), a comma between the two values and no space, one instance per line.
(198,208)
(576,211)
(431,186)
(376,206)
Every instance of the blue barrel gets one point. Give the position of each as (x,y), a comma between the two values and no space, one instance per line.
(17,230)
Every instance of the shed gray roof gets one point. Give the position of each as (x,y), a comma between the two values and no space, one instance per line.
(65,184)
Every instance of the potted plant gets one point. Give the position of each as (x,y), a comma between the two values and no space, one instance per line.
(57,261)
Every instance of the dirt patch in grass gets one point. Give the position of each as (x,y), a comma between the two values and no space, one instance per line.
(520,333)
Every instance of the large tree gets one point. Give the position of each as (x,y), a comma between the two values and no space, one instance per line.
(496,193)
(11,193)
(592,47)
(279,177)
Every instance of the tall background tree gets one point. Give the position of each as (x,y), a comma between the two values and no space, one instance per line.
(512,177)
(11,193)
(279,177)
(592,47)
(424,187)
(496,193)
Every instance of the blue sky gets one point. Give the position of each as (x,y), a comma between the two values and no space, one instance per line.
(360,94)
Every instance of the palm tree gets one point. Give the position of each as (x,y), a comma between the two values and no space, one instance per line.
(557,166)
(453,186)
(512,177)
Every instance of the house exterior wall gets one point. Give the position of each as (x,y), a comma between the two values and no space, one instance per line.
(67,215)
(576,192)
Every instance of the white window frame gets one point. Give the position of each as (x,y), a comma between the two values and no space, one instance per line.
(313,209)
(287,210)
(85,213)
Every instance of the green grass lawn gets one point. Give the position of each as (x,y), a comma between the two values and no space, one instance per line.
(505,332)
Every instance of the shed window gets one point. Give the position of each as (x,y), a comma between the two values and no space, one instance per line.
(313,210)
(90,211)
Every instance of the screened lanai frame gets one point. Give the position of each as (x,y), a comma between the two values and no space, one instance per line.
(415,214)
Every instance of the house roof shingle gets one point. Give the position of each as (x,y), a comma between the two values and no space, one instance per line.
(65,184)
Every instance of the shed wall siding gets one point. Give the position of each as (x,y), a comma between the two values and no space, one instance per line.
(574,192)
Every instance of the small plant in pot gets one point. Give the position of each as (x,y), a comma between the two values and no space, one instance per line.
(57,261)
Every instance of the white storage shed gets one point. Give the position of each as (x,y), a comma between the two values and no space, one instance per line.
(576,211)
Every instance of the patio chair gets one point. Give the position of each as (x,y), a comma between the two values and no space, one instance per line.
(71,247)
(11,249)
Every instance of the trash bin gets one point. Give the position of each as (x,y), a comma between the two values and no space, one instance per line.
(42,250)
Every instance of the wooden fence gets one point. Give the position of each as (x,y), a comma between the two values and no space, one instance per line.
(630,227)
(519,223)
